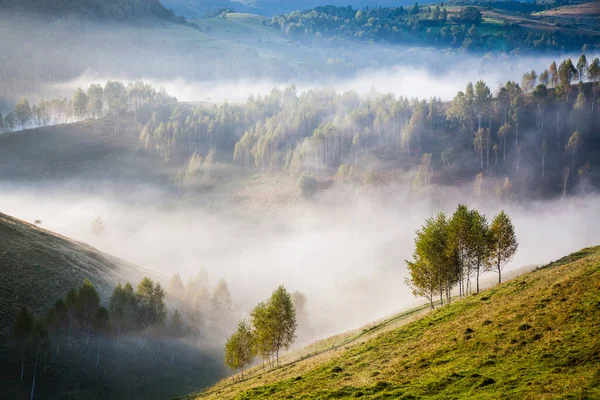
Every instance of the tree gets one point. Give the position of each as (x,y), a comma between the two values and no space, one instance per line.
(10,121)
(505,190)
(480,243)
(432,250)
(503,132)
(23,112)
(263,328)
(582,67)
(123,307)
(80,103)
(150,298)
(481,138)
(176,326)
(504,243)
(423,280)
(95,95)
(573,145)
(566,71)
(221,299)
(553,74)
(176,289)
(459,242)
(88,301)
(423,178)
(282,314)
(239,349)
(22,331)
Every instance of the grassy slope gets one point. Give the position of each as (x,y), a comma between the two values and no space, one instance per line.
(84,150)
(39,266)
(536,336)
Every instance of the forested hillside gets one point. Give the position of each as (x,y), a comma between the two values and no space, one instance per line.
(534,336)
(536,139)
(490,27)
(197,8)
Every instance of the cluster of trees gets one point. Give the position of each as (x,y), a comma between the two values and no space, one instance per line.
(451,251)
(195,299)
(425,25)
(272,329)
(80,316)
(548,124)
(113,100)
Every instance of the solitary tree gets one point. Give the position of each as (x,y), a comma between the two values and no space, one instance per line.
(504,242)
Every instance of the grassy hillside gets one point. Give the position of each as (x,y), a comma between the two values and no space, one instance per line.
(533,337)
(88,150)
(38,267)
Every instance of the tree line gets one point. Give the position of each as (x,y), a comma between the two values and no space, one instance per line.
(451,251)
(459,27)
(272,328)
(79,319)
(111,100)
(548,123)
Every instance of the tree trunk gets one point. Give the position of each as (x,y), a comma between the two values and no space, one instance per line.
(477,278)
(34,373)
(499,273)
(22,362)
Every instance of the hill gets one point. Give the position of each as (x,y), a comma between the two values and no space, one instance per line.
(87,150)
(96,9)
(38,267)
(484,27)
(196,8)
(534,336)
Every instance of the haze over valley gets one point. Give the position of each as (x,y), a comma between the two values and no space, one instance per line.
(231,198)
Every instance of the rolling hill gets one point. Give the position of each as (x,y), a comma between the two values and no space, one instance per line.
(38,267)
(196,8)
(96,9)
(535,336)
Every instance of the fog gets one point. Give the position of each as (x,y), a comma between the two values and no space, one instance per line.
(345,250)
(417,78)
(43,60)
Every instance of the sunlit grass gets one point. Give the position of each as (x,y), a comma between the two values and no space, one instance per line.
(533,337)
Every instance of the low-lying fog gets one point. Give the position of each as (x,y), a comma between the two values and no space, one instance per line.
(347,256)
(425,73)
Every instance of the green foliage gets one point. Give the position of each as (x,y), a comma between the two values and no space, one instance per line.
(150,303)
(24,324)
(239,348)
(504,242)
(23,112)
(450,252)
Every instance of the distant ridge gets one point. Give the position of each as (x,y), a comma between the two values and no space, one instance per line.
(116,10)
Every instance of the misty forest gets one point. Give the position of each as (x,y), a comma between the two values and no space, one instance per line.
(319,199)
